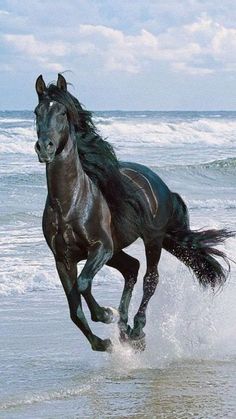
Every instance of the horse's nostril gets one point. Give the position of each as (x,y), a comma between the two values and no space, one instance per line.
(38,146)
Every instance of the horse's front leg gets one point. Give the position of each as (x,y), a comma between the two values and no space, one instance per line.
(68,278)
(98,255)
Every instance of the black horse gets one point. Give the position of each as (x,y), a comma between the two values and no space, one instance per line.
(97,206)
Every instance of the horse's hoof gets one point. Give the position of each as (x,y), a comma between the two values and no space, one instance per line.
(138,345)
(102,345)
(108,345)
(112,315)
(125,334)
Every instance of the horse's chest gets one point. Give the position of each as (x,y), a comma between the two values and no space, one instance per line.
(62,239)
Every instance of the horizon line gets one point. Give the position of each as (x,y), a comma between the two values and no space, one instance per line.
(135,110)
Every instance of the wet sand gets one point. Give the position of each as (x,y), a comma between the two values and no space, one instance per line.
(47,370)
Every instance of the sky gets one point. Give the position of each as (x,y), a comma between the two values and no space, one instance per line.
(126,55)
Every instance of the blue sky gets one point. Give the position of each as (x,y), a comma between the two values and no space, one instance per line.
(140,54)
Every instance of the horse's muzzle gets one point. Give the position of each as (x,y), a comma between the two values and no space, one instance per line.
(46,150)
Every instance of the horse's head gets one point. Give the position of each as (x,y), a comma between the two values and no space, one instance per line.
(51,120)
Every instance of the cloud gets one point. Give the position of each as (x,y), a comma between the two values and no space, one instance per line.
(10,22)
(200,48)
(224,47)
(193,71)
(153,52)
(33,47)
(4,13)
(41,52)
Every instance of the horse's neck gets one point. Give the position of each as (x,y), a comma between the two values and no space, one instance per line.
(66,178)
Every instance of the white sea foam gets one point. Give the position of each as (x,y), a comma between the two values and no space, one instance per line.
(18,140)
(183,320)
(35,271)
(212,204)
(162,133)
(9,120)
(27,280)
(62,394)
(190,322)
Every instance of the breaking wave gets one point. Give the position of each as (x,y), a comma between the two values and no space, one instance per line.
(19,135)
(205,131)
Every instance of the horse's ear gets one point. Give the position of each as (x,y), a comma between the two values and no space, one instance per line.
(61,82)
(40,86)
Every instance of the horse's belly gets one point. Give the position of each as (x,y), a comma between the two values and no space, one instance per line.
(122,236)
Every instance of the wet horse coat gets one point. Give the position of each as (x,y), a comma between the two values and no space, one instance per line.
(97,206)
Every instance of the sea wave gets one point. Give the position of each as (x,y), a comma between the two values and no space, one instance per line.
(18,140)
(229,163)
(221,167)
(61,394)
(9,120)
(28,275)
(25,282)
(122,132)
(204,131)
(212,204)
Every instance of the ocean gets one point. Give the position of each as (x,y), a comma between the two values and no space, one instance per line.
(47,369)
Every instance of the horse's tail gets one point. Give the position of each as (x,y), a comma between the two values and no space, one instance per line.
(196,248)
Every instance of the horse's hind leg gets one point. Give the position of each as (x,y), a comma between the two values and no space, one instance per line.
(150,281)
(128,267)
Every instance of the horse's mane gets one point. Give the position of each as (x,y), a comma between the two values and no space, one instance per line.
(97,156)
